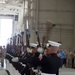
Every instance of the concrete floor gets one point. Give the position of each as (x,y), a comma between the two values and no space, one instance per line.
(67,71)
(3,72)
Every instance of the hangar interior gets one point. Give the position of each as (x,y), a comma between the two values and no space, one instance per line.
(36,13)
(53,19)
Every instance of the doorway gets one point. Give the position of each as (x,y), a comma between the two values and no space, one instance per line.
(5,30)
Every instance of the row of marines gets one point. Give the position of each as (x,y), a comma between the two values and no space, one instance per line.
(37,60)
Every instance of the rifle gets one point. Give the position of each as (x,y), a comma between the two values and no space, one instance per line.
(49,27)
(22,35)
(19,44)
(11,41)
(38,38)
(27,37)
(19,39)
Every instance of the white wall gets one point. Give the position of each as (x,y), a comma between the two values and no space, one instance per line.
(60,12)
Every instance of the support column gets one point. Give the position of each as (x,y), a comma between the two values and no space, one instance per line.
(74,32)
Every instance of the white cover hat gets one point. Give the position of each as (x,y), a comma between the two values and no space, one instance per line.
(52,43)
(33,45)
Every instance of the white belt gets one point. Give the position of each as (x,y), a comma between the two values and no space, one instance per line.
(47,74)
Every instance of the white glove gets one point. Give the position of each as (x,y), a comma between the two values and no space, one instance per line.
(29,50)
(40,50)
(15,59)
(34,70)
(40,56)
(23,64)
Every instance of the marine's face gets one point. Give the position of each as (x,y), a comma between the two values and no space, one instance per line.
(47,51)
(53,49)
(24,49)
(34,50)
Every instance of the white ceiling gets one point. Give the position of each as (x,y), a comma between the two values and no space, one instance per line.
(11,1)
(11,6)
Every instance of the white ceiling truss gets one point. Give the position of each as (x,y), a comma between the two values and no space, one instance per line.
(11,6)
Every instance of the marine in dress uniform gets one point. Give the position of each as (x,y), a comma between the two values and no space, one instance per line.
(30,56)
(50,64)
